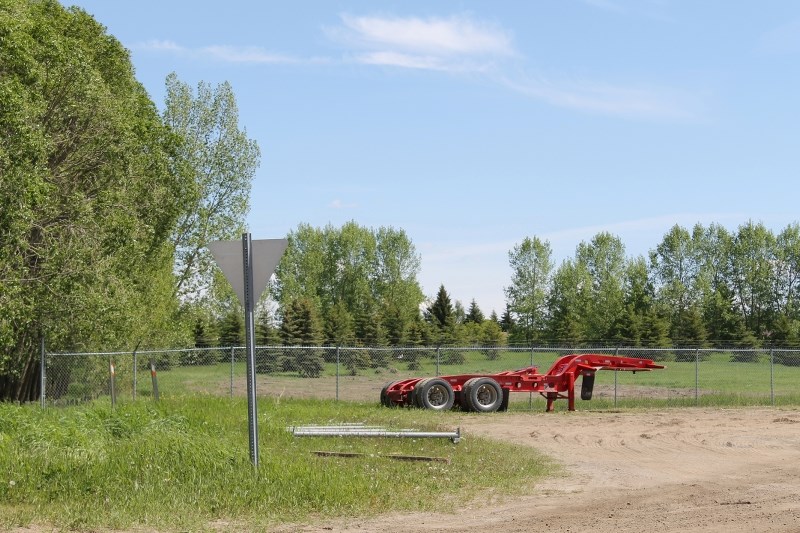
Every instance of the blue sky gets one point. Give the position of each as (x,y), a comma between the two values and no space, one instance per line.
(472,125)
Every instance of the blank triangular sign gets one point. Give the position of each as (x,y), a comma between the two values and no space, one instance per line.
(267,254)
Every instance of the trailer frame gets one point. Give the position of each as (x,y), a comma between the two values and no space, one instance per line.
(490,392)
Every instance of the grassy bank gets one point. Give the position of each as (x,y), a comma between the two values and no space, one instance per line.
(184,464)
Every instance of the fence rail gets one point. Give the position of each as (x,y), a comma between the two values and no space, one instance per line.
(692,376)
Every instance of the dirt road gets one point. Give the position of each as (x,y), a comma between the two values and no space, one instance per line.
(698,470)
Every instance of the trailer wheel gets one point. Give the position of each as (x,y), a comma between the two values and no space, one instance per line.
(385,400)
(434,393)
(414,396)
(483,395)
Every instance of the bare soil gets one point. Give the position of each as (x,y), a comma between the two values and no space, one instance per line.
(700,470)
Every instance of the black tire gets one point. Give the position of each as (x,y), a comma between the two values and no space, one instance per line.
(434,393)
(413,396)
(587,385)
(483,395)
(385,400)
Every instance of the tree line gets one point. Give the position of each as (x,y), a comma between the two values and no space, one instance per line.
(107,206)
(704,287)
(701,288)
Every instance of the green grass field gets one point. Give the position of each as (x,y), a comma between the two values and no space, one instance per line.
(183,464)
(714,381)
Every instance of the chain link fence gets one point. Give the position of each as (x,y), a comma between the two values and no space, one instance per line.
(692,376)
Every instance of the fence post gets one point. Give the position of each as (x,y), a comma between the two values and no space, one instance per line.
(438,356)
(337,373)
(616,373)
(43,371)
(113,379)
(697,376)
(233,350)
(135,366)
(154,379)
(530,394)
(772,377)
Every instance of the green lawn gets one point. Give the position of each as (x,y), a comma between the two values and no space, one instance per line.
(714,381)
(183,464)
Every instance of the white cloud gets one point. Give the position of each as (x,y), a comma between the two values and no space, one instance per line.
(457,35)
(457,43)
(243,54)
(338,204)
(157,45)
(609,99)
(224,53)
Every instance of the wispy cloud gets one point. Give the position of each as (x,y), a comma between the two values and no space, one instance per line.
(452,43)
(158,45)
(462,44)
(224,53)
(604,98)
(338,204)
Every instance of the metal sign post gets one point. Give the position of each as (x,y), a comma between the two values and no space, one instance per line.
(247,267)
(249,327)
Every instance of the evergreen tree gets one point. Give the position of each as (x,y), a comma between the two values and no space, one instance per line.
(231,328)
(441,312)
(689,329)
(396,326)
(442,316)
(301,327)
(474,314)
(507,320)
(267,332)
(339,326)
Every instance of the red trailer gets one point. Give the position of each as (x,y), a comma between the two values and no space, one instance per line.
(487,393)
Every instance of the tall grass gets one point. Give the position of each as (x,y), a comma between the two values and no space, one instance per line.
(184,464)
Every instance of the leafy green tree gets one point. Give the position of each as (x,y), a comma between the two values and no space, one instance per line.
(221,161)
(395,284)
(787,272)
(491,338)
(531,267)
(675,265)
(603,260)
(721,320)
(752,273)
(641,323)
(368,271)
(89,195)
(568,303)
